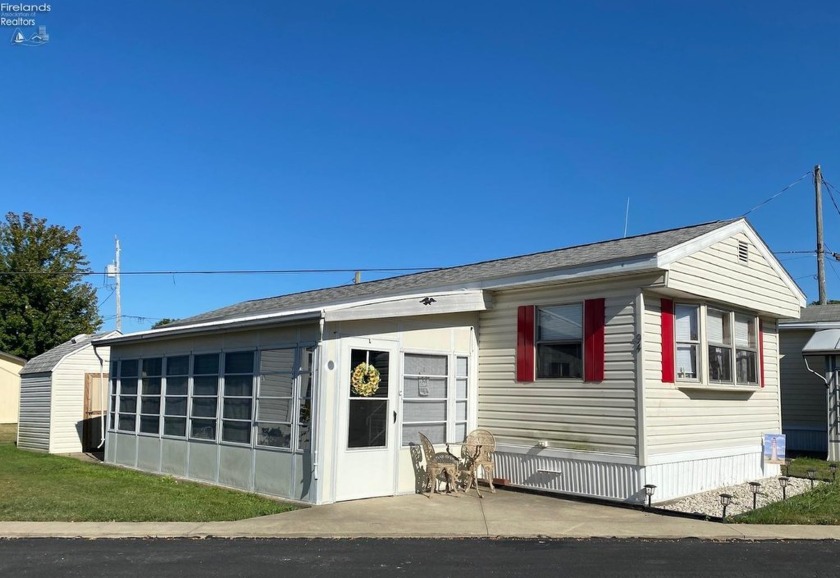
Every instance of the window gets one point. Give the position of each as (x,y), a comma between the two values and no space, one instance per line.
(727,340)
(560,341)
(719,336)
(175,402)
(127,406)
(150,395)
(205,396)
(238,396)
(435,390)
(746,350)
(285,390)
(687,333)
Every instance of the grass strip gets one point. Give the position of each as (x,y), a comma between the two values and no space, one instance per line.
(43,487)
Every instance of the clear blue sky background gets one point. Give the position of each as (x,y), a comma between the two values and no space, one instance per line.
(279,135)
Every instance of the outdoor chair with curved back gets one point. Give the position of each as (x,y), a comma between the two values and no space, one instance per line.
(439,463)
(478,451)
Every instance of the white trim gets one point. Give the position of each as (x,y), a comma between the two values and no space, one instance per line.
(641,404)
(669,256)
(452,302)
(538,451)
(695,455)
(815,325)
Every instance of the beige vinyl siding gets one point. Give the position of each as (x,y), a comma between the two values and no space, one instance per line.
(803,393)
(34,424)
(716,273)
(568,414)
(684,420)
(68,397)
(9,390)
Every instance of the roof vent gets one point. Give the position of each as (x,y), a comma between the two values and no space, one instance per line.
(78,338)
(743,251)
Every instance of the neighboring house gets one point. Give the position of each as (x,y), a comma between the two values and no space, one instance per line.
(805,394)
(600,368)
(10,367)
(63,396)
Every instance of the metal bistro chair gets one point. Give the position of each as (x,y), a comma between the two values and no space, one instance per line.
(478,451)
(438,463)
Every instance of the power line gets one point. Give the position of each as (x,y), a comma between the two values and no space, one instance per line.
(831,191)
(777,194)
(230,271)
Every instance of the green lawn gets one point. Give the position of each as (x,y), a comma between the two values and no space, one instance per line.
(820,506)
(799,467)
(42,487)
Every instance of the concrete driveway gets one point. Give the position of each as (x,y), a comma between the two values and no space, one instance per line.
(503,514)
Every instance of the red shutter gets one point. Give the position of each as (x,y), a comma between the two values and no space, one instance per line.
(761,352)
(525,343)
(667,306)
(593,340)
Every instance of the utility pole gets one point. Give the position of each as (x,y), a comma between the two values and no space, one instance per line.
(117,284)
(820,246)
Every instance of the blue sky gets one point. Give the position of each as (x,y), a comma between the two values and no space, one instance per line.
(288,135)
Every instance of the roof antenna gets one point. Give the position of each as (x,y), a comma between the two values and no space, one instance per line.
(626,216)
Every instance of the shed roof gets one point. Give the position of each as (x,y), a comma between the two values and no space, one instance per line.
(816,314)
(12,358)
(635,247)
(48,360)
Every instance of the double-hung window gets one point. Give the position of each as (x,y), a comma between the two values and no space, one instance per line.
(560,341)
(687,332)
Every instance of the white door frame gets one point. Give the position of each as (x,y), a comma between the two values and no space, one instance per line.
(367,472)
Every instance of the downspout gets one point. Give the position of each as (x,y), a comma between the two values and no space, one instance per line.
(316,403)
(104,401)
(808,367)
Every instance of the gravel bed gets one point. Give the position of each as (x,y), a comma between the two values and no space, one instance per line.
(708,503)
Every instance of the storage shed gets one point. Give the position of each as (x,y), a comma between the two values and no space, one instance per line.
(600,368)
(63,394)
(10,367)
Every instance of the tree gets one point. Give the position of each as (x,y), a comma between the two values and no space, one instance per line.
(43,298)
(162,322)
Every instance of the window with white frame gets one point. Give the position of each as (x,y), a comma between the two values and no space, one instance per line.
(726,343)
(112,408)
(238,397)
(305,399)
(435,396)
(205,396)
(150,388)
(275,397)
(175,399)
(560,341)
(687,333)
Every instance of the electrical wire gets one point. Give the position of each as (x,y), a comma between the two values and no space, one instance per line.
(777,194)
(231,271)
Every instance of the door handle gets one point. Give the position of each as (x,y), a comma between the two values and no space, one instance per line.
(395,416)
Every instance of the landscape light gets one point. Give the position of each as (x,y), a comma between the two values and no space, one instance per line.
(812,473)
(832,467)
(725,500)
(783,481)
(755,487)
(649,489)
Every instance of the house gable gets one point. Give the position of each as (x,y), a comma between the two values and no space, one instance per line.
(732,265)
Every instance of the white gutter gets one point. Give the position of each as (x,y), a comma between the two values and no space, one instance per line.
(106,390)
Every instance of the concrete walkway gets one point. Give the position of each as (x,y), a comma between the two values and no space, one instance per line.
(503,514)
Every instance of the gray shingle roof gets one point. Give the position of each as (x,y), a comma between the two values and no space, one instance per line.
(603,252)
(817,314)
(47,361)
